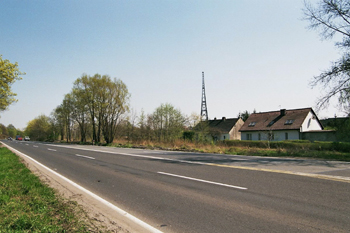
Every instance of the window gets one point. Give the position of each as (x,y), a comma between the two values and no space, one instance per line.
(309,123)
(259,136)
(249,136)
(252,124)
(289,122)
(286,136)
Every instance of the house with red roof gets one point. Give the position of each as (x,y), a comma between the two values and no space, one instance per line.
(281,125)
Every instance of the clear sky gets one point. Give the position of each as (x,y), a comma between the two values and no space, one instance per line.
(255,54)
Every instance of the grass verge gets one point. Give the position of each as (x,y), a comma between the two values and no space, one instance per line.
(304,149)
(28,205)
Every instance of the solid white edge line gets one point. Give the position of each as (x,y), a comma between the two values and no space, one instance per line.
(204,181)
(107,203)
(87,157)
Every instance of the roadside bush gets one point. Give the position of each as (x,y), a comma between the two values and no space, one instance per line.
(341,146)
(292,144)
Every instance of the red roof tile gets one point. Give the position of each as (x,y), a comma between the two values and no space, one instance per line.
(266,121)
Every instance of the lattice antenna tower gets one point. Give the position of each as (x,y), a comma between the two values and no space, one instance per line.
(204,110)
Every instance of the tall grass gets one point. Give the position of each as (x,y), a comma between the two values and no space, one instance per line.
(28,205)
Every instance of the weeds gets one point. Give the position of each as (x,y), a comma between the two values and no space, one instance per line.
(295,148)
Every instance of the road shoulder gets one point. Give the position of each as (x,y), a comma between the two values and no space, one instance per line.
(101,217)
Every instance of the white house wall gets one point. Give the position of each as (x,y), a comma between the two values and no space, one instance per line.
(281,135)
(224,136)
(234,133)
(310,123)
(278,135)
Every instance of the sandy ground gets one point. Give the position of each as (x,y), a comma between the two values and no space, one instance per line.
(100,217)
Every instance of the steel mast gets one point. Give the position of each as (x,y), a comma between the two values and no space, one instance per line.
(204,110)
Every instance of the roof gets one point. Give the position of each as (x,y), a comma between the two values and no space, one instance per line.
(223,125)
(276,120)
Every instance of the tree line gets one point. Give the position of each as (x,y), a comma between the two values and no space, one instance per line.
(96,105)
(97,110)
(9,131)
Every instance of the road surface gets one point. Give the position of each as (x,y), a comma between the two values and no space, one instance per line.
(193,192)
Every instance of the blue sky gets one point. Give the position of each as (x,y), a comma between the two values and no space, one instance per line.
(255,54)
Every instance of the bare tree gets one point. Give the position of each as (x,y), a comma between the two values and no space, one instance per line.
(332,17)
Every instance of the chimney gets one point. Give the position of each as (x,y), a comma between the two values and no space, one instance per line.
(283,112)
(223,118)
(214,118)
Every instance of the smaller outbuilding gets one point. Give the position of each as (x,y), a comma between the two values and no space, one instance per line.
(225,128)
(281,125)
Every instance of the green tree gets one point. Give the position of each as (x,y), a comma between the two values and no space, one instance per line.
(59,121)
(9,73)
(105,100)
(245,114)
(87,88)
(56,131)
(116,97)
(19,132)
(67,109)
(39,129)
(3,130)
(12,131)
(191,122)
(202,131)
(79,111)
(343,130)
(168,123)
(332,18)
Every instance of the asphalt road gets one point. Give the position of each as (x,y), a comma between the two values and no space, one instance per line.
(190,192)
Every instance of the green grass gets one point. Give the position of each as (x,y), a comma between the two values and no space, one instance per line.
(28,205)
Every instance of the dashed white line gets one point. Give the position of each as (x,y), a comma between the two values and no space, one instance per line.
(200,180)
(35,146)
(141,223)
(51,149)
(327,177)
(88,157)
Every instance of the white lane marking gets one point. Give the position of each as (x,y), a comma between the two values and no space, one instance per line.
(139,156)
(98,198)
(200,180)
(35,146)
(154,152)
(88,157)
(240,159)
(27,144)
(135,155)
(51,149)
(326,177)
